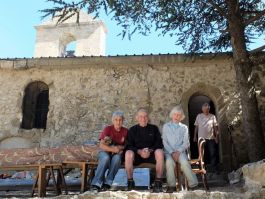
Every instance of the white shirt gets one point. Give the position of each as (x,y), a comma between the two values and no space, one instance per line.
(205,125)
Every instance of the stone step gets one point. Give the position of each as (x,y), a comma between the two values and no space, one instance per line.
(215,180)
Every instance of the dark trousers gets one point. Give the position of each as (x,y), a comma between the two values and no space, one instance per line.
(211,155)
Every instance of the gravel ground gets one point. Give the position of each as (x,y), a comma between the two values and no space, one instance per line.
(237,188)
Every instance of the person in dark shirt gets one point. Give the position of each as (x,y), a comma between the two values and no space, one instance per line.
(144,145)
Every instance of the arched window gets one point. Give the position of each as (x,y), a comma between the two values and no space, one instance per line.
(70,49)
(35,106)
(67,45)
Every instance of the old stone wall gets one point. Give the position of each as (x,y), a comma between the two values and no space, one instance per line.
(83,92)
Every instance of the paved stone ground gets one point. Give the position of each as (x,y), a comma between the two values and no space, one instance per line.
(238,188)
(217,184)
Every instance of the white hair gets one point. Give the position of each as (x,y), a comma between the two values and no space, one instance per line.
(178,109)
(118,114)
(142,110)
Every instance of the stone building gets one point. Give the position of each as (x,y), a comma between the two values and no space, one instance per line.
(52,101)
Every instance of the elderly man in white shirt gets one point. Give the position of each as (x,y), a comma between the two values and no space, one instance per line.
(176,141)
(206,126)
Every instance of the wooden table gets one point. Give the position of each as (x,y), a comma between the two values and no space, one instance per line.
(40,183)
(84,168)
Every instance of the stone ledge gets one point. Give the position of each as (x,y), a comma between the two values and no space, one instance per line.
(109,61)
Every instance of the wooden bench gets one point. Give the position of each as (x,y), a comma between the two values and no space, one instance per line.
(40,181)
(84,167)
(87,170)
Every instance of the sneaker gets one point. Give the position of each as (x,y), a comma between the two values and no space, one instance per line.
(130,185)
(170,189)
(193,188)
(157,186)
(95,188)
(105,187)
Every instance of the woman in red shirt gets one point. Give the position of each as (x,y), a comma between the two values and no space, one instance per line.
(112,142)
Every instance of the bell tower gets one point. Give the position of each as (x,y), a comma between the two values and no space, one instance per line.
(89,37)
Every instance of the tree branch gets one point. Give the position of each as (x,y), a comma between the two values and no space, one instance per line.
(225,30)
(237,6)
(256,17)
(258,49)
(251,11)
(218,8)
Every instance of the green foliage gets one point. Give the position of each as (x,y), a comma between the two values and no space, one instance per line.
(197,25)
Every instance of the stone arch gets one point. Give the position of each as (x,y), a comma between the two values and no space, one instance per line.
(215,95)
(65,39)
(35,105)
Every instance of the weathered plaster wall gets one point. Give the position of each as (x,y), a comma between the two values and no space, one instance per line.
(83,92)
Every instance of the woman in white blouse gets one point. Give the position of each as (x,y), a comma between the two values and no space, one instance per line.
(176,141)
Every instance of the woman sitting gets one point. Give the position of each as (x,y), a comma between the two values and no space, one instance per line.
(112,141)
(176,141)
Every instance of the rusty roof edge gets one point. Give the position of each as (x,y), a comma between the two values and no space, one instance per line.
(86,61)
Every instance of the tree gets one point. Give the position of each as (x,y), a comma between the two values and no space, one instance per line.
(197,25)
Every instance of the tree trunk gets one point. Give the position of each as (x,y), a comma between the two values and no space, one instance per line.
(243,66)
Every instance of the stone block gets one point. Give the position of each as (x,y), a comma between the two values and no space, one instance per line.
(255,172)
(7,64)
(20,64)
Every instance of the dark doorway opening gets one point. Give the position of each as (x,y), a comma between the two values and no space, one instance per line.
(35,106)
(194,108)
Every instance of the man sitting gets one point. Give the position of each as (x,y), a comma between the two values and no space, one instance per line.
(144,145)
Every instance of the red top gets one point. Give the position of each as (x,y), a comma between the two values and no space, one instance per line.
(118,137)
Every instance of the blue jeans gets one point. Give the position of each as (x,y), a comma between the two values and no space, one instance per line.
(185,167)
(106,161)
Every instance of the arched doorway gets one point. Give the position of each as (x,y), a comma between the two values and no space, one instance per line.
(194,108)
(219,105)
(35,106)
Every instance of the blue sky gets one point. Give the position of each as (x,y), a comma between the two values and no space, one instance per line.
(17,33)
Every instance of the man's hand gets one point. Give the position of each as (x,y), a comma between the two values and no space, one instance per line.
(175,156)
(216,134)
(116,149)
(216,139)
(144,153)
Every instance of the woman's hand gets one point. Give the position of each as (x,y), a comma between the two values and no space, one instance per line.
(175,155)
(116,149)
